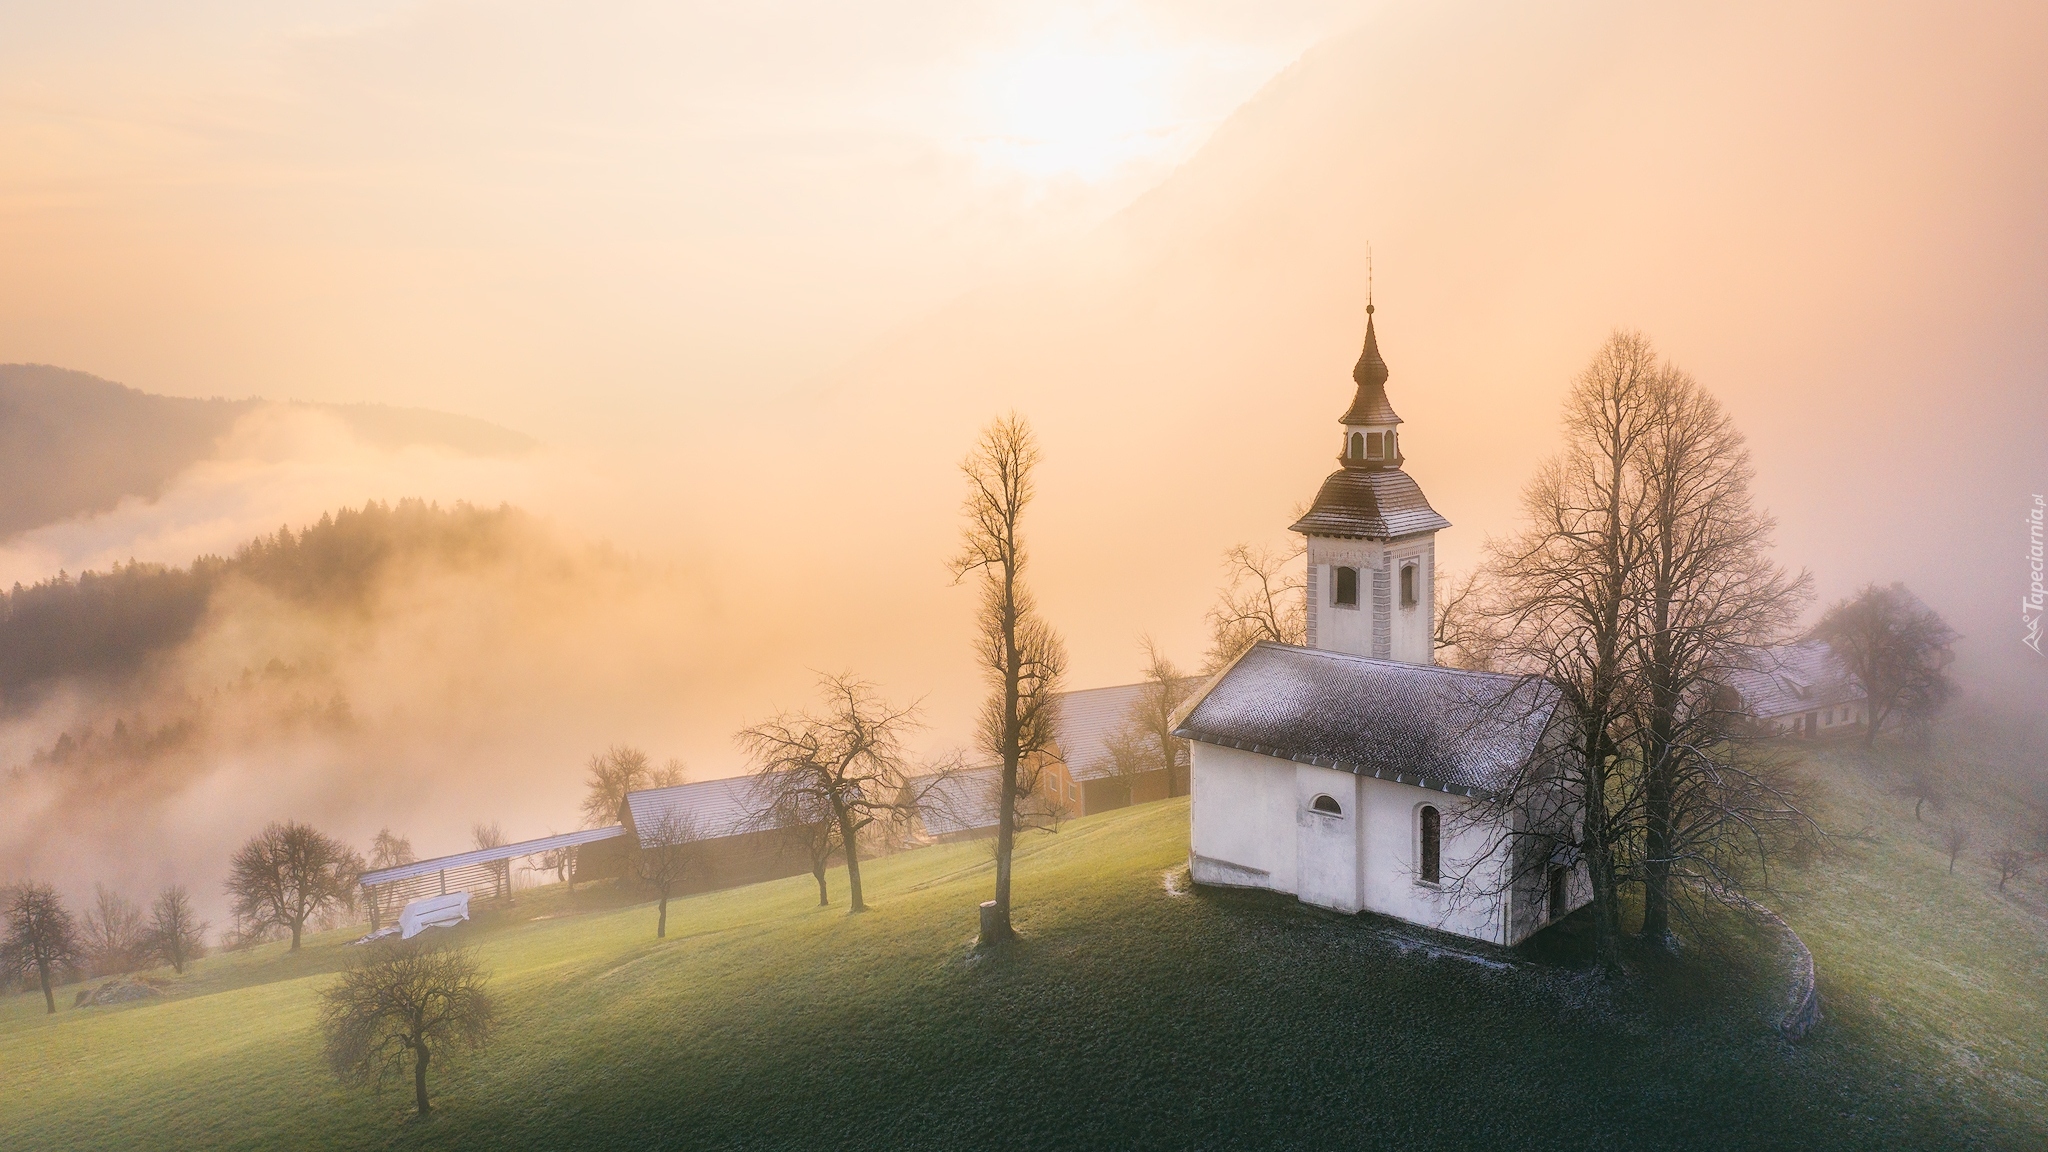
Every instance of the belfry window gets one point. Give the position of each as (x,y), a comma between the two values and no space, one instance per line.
(1372,446)
(1346,590)
(1408,591)
(1432,844)
(1327,804)
(1390,445)
(1358,445)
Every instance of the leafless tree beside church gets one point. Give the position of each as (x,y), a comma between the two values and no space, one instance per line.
(1021,656)
(1264,597)
(1639,580)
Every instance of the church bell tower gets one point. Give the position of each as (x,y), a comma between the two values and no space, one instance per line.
(1372,535)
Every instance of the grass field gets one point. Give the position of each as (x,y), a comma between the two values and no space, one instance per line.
(1131,1016)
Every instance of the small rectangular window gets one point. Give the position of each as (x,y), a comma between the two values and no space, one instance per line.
(1407,585)
(1372,446)
(1345,593)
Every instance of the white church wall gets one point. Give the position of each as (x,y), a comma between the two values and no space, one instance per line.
(1328,856)
(1393,862)
(1241,824)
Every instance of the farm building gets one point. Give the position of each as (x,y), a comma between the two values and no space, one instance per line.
(1800,690)
(962,805)
(1088,722)
(733,843)
(485,871)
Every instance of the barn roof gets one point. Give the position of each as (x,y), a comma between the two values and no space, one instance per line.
(958,802)
(1376,503)
(711,808)
(1088,718)
(1440,728)
(1793,678)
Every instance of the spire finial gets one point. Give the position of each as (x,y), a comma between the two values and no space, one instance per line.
(1368,278)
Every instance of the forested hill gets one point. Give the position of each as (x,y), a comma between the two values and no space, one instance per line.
(72,444)
(104,626)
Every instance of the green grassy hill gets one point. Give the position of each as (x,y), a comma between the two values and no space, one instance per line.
(1134,1014)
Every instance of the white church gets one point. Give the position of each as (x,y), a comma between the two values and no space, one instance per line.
(1348,772)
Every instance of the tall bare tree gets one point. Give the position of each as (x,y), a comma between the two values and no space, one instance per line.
(1709,591)
(397,1006)
(42,939)
(177,936)
(1567,590)
(666,852)
(1897,647)
(843,762)
(287,874)
(113,934)
(1264,597)
(1021,656)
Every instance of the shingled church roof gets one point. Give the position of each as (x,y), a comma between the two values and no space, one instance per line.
(1370,405)
(1438,728)
(1379,504)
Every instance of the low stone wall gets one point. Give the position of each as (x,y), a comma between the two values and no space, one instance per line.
(1802,994)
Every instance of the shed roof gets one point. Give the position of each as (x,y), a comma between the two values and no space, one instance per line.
(1377,503)
(1088,718)
(1440,728)
(489,855)
(1793,678)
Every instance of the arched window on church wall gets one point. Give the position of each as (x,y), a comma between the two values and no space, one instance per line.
(1327,804)
(1432,844)
(1358,445)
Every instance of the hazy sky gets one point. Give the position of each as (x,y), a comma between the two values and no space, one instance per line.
(755,274)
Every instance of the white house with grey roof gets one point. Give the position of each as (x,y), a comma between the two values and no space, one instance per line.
(1352,772)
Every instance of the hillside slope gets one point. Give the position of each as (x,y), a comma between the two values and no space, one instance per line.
(1133,1015)
(72,444)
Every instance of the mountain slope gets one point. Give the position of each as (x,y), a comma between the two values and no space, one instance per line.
(72,444)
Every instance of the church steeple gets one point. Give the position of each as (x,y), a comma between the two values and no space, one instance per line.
(1371,534)
(1369,437)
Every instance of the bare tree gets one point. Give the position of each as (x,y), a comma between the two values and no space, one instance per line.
(490,835)
(390,850)
(176,935)
(112,933)
(1461,635)
(665,854)
(1709,592)
(843,762)
(1954,839)
(613,772)
(42,939)
(1923,786)
(1568,588)
(2012,862)
(800,820)
(1898,648)
(1021,656)
(399,1005)
(1264,597)
(288,873)
(1166,689)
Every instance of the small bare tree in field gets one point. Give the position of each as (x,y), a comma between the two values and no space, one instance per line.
(42,939)
(176,935)
(490,835)
(843,763)
(287,874)
(1166,689)
(1954,839)
(1898,648)
(1923,786)
(113,935)
(1264,597)
(665,854)
(399,1006)
(1021,656)
(2012,862)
